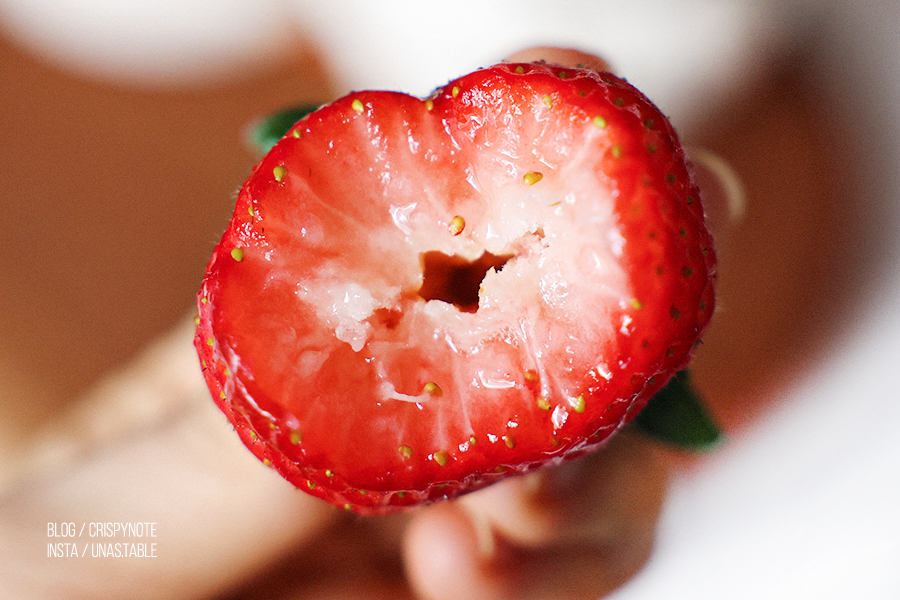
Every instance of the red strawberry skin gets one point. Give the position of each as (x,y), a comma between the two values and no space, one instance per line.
(338,330)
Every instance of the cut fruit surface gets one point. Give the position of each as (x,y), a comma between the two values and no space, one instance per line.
(418,297)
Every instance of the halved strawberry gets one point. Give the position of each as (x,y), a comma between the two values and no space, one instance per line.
(416,298)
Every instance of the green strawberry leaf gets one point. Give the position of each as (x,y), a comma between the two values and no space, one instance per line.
(676,416)
(265,133)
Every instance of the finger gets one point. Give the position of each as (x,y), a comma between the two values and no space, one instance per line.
(560,56)
(600,497)
(150,447)
(444,557)
(578,530)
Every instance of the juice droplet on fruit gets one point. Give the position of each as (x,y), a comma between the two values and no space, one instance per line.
(457,224)
(603,370)
(532,177)
(559,417)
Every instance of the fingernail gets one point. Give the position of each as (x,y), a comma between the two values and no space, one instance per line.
(484,532)
(724,198)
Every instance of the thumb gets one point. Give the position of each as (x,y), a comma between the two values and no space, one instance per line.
(574,531)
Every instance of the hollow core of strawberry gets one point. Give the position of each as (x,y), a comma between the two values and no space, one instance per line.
(454,279)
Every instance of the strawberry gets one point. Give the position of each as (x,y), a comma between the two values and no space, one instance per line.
(416,298)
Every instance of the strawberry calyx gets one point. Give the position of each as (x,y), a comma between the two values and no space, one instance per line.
(265,132)
(677,416)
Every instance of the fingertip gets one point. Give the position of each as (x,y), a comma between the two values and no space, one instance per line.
(444,557)
(606,497)
(580,529)
(567,57)
(515,510)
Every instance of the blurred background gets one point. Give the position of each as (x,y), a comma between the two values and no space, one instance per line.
(121,151)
